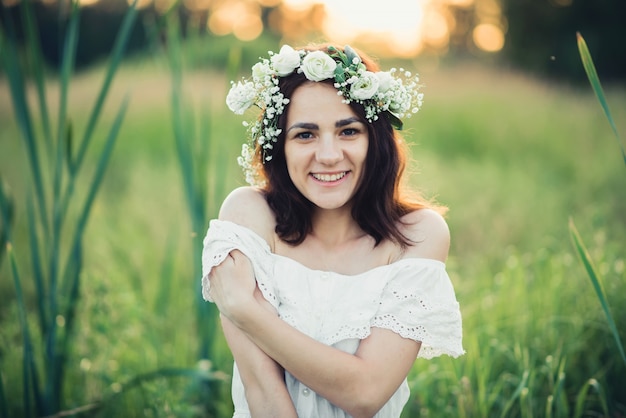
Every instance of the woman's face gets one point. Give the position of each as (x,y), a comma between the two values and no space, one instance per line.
(325,146)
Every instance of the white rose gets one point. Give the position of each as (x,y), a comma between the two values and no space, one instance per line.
(285,61)
(240,97)
(365,87)
(318,66)
(385,81)
(260,70)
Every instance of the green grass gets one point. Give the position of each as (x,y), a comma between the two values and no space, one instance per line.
(512,157)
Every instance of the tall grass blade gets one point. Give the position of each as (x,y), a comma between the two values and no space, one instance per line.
(560,397)
(9,59)
(30,374)
(196,374)
(585,258)
(4,406)
(93,190)
(7,211)
(121,41)
(33,51)
(38,275)
(137,382)
(161,302)
(184,134)
(518,391)
(69,313)
(582,397)
(592,75)
(67,65)
(74,164)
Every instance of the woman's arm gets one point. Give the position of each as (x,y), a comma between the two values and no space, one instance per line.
(263,379)
(360,384)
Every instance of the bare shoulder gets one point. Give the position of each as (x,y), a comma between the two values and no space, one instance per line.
(246,206)
(429,232)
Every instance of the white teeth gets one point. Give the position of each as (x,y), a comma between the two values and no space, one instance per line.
(329,177)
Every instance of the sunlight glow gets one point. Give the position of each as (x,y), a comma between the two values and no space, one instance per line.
(242,19)
(386,28)
(436,29)
(488,37)
(397,21)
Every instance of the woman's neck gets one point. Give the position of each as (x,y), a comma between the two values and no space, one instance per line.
(335,227)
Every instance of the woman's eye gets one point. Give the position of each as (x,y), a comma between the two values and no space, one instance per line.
(304,135)
(350,131)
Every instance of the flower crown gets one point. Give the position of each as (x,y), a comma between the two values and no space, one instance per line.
(393,93)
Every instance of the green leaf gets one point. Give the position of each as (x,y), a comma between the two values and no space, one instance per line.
(394,120)
(585,258)
(351,54)
(592,75)
(340,76)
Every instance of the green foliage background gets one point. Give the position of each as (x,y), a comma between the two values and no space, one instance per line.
(512,156)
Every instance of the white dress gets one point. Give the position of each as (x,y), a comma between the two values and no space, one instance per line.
(412,297)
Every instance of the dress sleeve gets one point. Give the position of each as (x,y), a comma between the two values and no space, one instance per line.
(223,237)
(419,303)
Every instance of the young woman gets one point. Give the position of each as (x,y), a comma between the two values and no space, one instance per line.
(329,279)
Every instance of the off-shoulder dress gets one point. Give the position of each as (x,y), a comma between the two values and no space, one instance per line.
(412,297)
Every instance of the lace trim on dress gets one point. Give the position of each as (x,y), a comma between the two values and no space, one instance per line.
(223,237)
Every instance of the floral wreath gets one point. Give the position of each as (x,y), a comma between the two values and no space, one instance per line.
(393,93)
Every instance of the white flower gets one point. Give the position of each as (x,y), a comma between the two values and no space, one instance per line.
(240,97)
(285,61)
(260,71)
(385,81)
(365,87)
(318,66)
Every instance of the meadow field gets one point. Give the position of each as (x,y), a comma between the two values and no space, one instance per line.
(512,156)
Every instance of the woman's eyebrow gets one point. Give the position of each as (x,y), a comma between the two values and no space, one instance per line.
(344,122)
(304,125)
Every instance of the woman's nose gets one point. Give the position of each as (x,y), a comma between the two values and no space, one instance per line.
(329,150)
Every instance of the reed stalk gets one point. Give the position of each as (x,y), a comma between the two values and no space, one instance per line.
(55,240)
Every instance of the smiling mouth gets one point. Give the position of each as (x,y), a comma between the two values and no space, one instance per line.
(329,177)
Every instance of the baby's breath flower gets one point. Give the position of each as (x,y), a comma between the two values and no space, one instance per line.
(240,97)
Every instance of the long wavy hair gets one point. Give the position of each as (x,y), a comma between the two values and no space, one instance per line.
(381,199)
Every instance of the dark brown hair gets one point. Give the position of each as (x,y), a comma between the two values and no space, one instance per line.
(378,204)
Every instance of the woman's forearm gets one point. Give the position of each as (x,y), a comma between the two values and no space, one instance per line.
(263,379)
(359,384)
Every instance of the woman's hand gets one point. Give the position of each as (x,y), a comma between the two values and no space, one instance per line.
(233,287)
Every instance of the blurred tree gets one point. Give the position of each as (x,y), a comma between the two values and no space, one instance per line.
(541,37)
(540,34)
(98,27)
